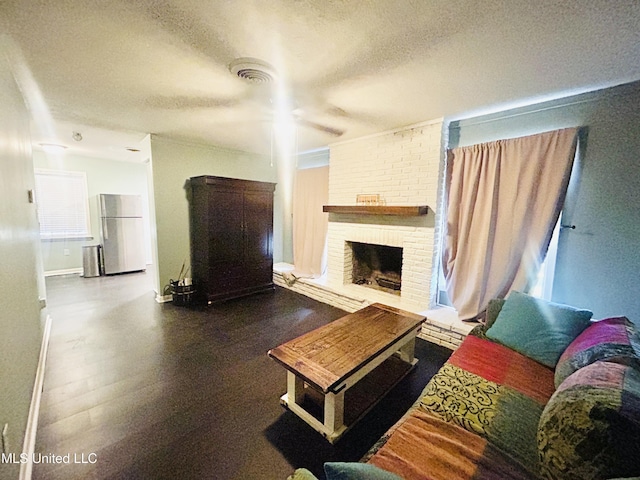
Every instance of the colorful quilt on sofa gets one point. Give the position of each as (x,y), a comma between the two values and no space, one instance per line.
(475,398)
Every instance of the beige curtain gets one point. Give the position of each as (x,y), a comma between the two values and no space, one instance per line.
(503,201)
(310,193)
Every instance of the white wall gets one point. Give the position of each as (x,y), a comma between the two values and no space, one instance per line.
(21,280)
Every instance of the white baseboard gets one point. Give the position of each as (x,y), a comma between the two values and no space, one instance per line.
(164,298)
(66,271)
(34,410)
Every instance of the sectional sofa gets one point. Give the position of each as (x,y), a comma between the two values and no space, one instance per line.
(540,390)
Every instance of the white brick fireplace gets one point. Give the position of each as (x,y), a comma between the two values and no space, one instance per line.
(403,168)
(413,235)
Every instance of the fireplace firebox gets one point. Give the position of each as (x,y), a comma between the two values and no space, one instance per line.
(377,266)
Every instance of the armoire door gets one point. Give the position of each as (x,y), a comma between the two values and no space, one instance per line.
(258,234)
(226,236)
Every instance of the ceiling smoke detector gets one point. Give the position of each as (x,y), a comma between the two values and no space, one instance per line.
(252,70)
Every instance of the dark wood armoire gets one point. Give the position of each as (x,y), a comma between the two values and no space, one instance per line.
(231,223)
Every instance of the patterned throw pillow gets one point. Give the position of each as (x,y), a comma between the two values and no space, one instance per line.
(612,340)
(590,429)
(493,310)
(302,474)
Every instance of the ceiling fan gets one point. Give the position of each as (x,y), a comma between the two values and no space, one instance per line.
(261,74)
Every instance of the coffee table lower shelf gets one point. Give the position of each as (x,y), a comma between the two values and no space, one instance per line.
(312,404)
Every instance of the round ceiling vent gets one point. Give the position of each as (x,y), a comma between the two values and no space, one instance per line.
(252,70)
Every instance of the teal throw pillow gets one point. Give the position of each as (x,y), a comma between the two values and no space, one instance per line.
(536,328)
(356,471)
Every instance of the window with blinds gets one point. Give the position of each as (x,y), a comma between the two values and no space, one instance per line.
(63,204)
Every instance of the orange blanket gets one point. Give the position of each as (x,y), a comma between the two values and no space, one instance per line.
(424,447)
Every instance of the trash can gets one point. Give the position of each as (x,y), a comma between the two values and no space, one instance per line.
(182,292)
(91,261)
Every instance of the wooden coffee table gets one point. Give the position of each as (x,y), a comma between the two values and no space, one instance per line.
(370,350)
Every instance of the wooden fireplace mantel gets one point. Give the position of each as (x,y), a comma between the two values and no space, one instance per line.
(404,211)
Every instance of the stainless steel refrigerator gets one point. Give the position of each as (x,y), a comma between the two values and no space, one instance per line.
(122,233)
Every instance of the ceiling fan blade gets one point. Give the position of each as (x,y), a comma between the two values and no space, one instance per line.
(188,102)
(336,132)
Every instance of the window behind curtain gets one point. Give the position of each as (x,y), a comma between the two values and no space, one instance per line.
(63,205)
(544,281)
(503,200)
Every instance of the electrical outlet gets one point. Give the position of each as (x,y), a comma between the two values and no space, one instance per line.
(66,252)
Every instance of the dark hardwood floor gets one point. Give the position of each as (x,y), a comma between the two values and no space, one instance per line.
(141,390)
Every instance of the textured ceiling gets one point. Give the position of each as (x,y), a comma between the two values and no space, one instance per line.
(147,66)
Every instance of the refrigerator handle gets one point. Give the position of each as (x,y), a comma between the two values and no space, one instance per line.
(105,230)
